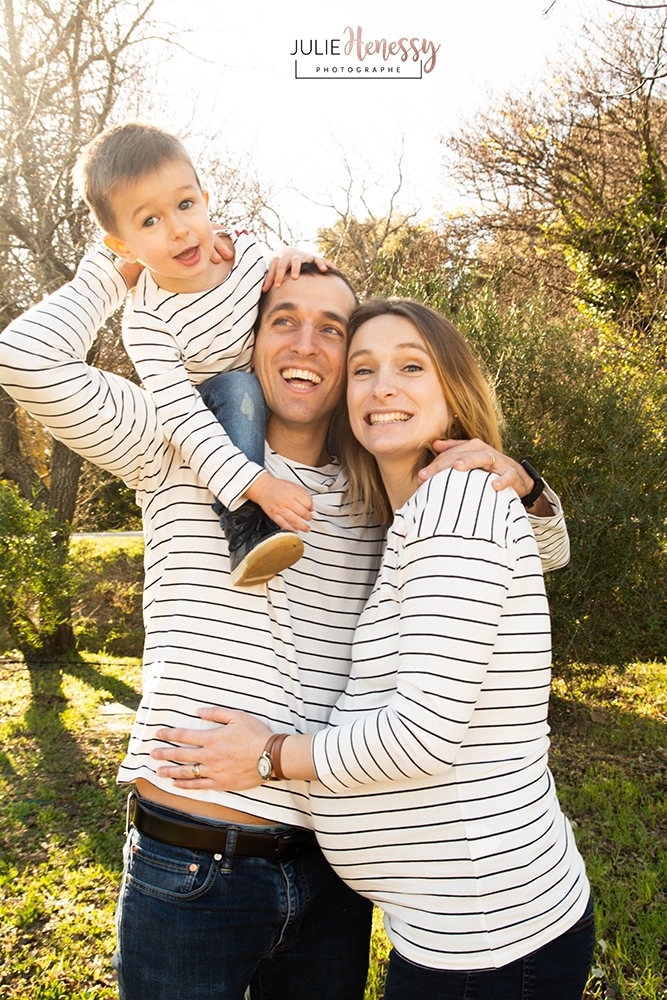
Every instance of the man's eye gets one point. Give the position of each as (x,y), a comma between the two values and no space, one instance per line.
(186,204)
(150,221)
(333,331)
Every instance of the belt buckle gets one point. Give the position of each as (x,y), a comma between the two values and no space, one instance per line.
(288,846)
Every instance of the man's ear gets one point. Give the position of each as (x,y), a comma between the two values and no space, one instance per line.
(119,248)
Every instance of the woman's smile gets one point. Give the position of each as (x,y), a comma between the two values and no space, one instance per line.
(395,399)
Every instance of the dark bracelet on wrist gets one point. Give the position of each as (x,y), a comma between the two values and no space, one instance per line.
(538,485)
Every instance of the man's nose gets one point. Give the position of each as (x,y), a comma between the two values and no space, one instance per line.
(305,339)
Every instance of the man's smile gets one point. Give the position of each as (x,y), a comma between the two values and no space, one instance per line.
(297,376)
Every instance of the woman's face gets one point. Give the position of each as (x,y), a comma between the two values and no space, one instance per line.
(394,397)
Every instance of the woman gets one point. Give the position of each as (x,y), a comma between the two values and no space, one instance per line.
(431,792)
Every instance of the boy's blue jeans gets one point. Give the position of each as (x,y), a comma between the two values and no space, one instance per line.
(192,926)
(236,400)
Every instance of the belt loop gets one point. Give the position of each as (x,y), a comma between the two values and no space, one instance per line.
(128,812)
(230,847)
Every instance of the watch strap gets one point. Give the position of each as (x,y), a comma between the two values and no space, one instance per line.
(272,750)
(538,487)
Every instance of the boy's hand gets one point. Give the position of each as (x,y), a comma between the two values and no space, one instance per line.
(292,258)
(288,504)
(223,246)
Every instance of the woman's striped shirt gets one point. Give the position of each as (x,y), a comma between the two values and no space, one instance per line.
(434,796)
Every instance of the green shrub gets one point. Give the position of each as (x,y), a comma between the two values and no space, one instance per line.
(107,586)
(33,573)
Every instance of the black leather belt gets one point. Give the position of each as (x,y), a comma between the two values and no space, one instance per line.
(199,837)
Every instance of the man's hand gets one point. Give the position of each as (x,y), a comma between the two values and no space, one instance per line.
(293,258)
(129,272)
(475,454)
(226,756)
(288,504)
(223,246)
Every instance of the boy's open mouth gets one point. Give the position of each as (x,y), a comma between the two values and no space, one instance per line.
(189,256)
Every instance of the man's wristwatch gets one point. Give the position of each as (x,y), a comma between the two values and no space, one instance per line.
(268,764)
(538,488)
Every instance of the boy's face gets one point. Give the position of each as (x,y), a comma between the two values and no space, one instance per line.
(162,221)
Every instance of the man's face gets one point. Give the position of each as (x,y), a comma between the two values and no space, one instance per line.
(300,349)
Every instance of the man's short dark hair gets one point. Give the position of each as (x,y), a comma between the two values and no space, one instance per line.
(121,155)
(309,267)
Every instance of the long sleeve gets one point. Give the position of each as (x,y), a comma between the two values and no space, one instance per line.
(451,597)
(187,423)
(553,541)
(442,611)
(102,416)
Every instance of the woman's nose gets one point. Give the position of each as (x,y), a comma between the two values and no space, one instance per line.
(384,386)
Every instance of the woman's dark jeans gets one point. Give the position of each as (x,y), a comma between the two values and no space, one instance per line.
(558,971)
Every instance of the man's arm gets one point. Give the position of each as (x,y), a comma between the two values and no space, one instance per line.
(102,416)
(546,515)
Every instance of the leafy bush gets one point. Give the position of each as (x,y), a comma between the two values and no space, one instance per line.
(587,407)
(33,573)
(107,586)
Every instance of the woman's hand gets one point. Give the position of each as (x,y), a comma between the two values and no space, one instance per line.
(226,756)
(293,258)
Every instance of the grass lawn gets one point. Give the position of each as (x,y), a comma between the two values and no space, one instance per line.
(64,727)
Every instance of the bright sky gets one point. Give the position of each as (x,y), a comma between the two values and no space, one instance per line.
(243,88)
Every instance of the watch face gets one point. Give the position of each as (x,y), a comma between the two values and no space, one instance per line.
(264,766)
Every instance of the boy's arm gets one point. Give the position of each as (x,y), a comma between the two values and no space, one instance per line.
(187,423)
(102,416)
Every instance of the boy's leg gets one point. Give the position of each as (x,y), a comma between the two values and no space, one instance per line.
(258,548)
(237,402)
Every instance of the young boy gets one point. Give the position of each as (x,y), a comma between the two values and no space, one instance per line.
(189,331)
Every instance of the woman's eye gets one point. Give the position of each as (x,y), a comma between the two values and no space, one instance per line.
(414,367)
(150,221)
(361,371)
(186,204)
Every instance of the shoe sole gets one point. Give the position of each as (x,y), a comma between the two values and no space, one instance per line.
(271,556)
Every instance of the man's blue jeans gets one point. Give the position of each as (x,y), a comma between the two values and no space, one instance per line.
(197,926)
(558,971)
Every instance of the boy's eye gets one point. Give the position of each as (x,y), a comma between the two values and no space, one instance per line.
(186,204)
(150,221)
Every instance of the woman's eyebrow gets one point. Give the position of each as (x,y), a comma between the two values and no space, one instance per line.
(408,344)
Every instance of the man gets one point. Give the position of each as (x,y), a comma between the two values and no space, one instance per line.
(225,889)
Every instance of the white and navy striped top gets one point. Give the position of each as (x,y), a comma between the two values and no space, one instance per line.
(177,341)
(434,796)
(281,652)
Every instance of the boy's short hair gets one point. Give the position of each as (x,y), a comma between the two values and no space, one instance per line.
(120,155)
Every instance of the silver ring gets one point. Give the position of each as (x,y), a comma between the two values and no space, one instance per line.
(195,771)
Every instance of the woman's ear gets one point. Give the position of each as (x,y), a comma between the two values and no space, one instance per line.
(119,248)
